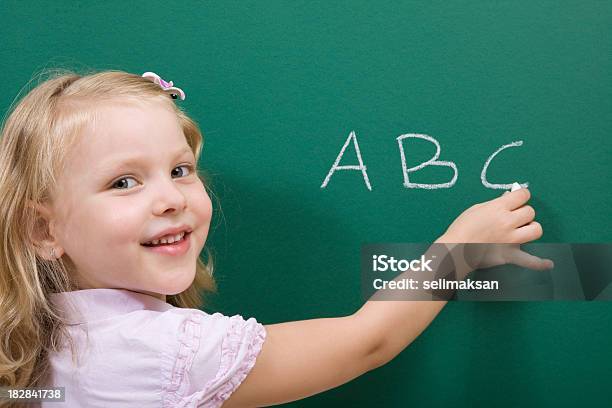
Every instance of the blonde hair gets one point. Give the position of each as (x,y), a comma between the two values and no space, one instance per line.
(35,139)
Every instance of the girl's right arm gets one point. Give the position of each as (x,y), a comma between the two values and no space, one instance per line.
(303,358)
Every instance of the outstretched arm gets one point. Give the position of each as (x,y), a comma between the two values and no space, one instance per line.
(303,358)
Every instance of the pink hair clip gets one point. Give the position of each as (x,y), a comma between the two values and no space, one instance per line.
(166,86)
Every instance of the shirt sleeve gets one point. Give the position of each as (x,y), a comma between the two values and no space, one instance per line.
(211,356)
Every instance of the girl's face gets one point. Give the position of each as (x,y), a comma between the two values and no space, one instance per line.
(129,178)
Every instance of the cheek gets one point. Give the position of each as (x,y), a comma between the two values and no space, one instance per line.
(122,224)
(202,207)
(97,228)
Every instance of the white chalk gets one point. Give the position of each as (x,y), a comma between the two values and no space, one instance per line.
(516,186)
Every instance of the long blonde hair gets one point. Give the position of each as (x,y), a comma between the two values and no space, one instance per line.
(35,139)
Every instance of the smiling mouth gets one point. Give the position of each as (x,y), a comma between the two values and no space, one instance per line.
(175,243)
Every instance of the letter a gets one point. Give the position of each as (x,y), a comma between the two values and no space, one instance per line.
(361,166)
(431,162)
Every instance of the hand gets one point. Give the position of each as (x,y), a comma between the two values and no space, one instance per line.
(503,220)
(482,256)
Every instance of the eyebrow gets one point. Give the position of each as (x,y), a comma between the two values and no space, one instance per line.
(114,166)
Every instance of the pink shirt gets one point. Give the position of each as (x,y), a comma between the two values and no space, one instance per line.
(135,350)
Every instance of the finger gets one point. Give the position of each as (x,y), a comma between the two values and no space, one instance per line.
(529,232)
(522,216)
(514,199)
(526,260)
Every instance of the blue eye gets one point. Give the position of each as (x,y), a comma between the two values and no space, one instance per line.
(125,187)
(188,166)
(120,180)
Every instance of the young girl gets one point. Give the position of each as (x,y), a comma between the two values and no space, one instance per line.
(103,218)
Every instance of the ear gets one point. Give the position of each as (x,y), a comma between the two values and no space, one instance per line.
(43,235)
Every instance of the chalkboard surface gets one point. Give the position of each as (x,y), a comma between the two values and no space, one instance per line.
(277,88)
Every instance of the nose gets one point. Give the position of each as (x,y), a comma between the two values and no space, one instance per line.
(168,196)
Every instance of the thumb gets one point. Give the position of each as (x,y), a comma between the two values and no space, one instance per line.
(522,258)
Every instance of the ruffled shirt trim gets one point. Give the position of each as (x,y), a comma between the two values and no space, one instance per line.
(175,370)
(229,350)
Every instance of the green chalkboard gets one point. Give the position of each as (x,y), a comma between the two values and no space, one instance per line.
(277,88)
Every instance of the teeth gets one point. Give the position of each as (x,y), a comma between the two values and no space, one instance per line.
(168,239)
